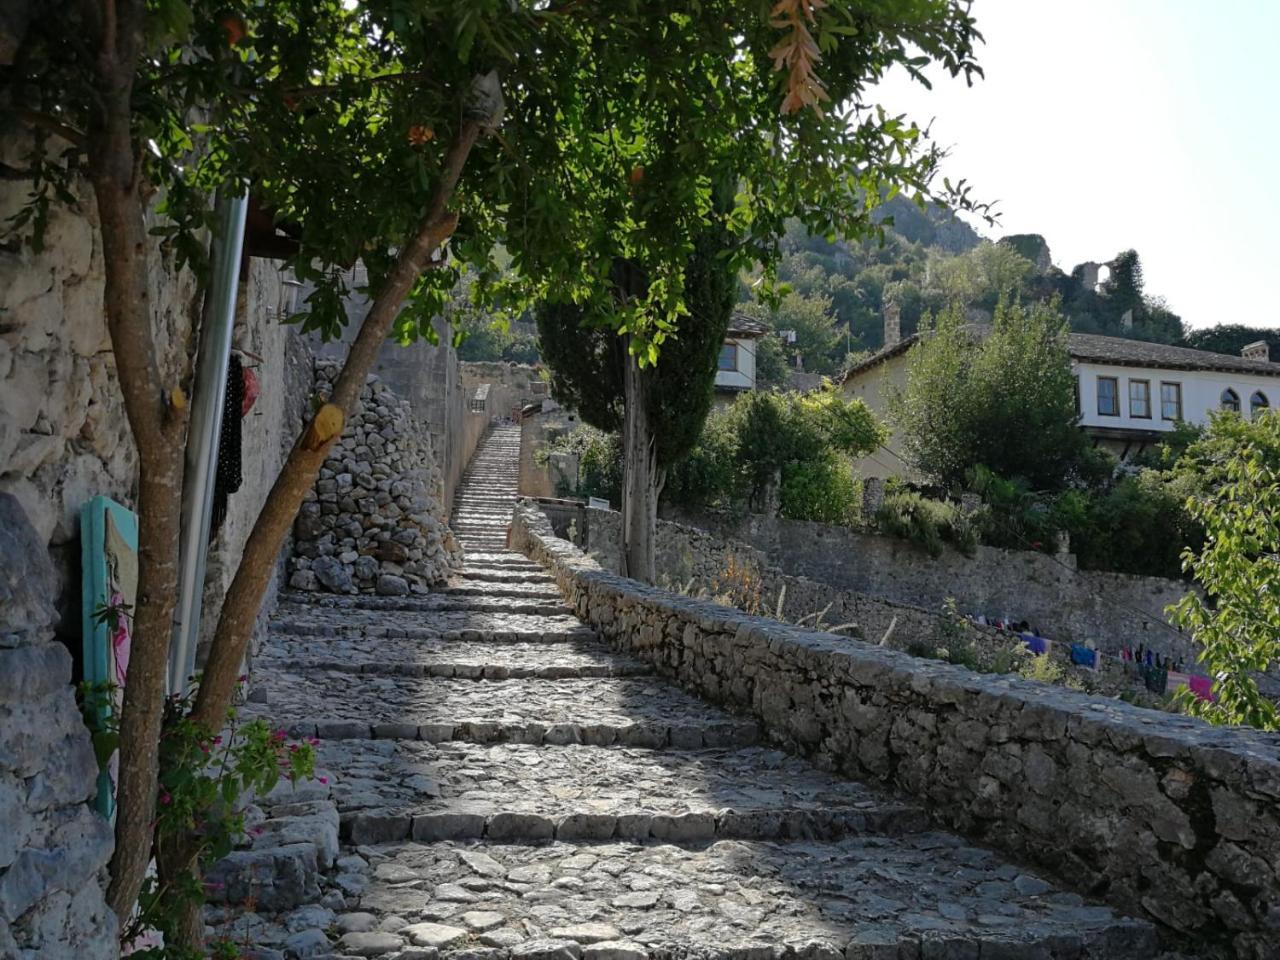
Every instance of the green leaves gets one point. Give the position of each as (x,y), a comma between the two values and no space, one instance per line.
(1237,622)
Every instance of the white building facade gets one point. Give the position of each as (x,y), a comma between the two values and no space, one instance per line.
(736,368)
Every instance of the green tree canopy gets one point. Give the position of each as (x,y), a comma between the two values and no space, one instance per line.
(1004,399)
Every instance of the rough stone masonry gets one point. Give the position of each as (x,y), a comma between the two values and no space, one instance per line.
(374,522)
(53,847)
(1160,814)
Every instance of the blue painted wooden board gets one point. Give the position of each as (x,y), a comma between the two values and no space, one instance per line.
(100,568)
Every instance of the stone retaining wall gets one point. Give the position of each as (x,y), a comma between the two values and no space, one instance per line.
(1160,814)
(693,561)
(1106,609)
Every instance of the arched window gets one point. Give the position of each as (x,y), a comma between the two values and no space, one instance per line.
(1230,400)
(1258,402)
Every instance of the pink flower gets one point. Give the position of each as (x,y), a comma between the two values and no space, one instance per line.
(278,736)
(217,740)
(243,677)
(313,741)
(323,779)
(258,831)
(166,798)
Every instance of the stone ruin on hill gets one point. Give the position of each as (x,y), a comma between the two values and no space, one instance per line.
(375,520)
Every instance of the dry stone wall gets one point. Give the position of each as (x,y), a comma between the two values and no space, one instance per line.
(375,521)
(53,847)
(1160,814)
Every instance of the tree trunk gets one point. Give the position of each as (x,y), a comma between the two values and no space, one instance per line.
(157,419)
(641,478)
(244,597)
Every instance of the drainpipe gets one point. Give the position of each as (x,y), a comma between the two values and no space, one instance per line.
(209,393)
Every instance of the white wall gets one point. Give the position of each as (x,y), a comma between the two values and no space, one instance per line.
(744,377)
(1201,392)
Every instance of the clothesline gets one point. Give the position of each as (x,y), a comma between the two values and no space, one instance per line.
(1159,674)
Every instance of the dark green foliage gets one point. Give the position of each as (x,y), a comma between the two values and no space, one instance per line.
(586,363)
(599,463)
(931,523)
(1006,400)
(800,442)
(587,356)
(1231,338)
(771,363)
(1030,246)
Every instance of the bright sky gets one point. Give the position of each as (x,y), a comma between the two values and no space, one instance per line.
(1109,124)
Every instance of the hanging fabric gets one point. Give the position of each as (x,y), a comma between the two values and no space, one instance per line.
(228,476)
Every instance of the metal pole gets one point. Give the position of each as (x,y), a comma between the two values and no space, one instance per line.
(209,393)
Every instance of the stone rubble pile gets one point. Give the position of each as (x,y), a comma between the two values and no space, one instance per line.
(375,522)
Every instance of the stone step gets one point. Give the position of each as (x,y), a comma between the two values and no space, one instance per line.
(459,625)
(637,712)
(395,790)
(508,558)
(544,591)
(461,659)
(532,574)
(923,896)
(440,602)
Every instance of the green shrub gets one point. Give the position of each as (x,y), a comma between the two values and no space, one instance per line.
(823,491)
(931,523)
(599,462)
(802,441)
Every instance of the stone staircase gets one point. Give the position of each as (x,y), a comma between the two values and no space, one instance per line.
(510,787)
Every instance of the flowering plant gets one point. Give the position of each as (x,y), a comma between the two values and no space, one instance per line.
(205,782)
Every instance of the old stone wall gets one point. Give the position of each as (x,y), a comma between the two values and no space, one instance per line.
(1160,814)
(375,521)
(429,377)
(64,437)
(693,561)
(53,847)
(1108,610)
(510,384)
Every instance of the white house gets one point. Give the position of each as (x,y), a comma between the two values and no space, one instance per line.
(1129,392)
(736,370)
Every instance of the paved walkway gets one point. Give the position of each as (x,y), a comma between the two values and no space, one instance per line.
(510,787)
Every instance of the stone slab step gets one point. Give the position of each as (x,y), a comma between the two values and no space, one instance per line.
(431,604)
(545,592)
(460,659)
(919,897)
(395,790)
(500,560)
(638,712)
(450,625)
(504,575)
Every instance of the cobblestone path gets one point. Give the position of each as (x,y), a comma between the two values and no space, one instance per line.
(510,788)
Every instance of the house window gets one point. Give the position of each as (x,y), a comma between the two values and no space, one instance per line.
(729,356)
(1140,399)
(1258,402)
(1171,401)
(1108,397)
(1230,400)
